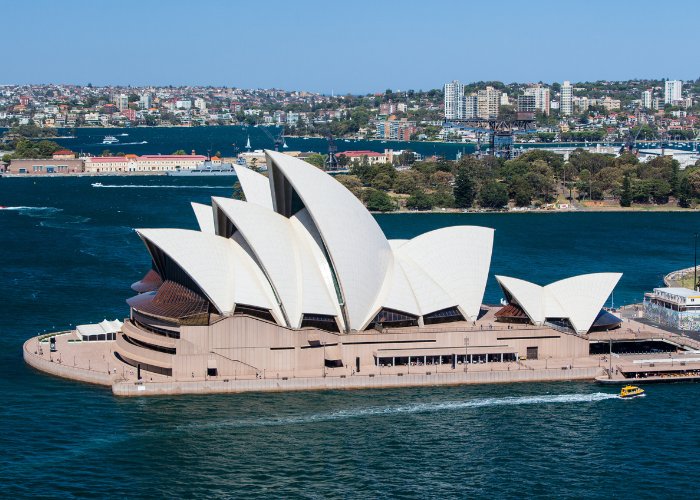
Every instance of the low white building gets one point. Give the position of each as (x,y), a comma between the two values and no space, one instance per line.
(676,307)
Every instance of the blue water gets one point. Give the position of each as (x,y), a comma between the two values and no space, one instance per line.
(71,255)
(230,140)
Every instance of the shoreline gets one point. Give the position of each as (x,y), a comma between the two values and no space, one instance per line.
(126,388)
(97,363)
(595,209)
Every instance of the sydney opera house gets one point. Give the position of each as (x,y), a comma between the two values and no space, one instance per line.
(299,280)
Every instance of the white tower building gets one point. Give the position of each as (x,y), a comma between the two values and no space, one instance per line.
(673,91)
(567,99)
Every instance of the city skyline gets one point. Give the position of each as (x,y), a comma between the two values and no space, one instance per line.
(367,48)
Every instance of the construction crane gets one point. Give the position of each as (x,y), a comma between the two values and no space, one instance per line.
(331,162)
(631,142)
(500,131)
(278,140)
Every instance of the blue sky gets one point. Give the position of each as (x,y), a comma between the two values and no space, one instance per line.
(351,46)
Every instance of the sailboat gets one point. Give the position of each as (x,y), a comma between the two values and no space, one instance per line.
(284,143)
(247,144)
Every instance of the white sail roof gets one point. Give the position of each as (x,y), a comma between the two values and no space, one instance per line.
(263,230)
(320,252)
(205,217)
(579,298)
(318,291)
(457,260)
(256,187)
(224,272)
(358,251)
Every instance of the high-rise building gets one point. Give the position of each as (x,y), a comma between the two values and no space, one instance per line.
(673,91)
(471,106)
(567,99)
(527,103)
(581,103)
(487,102)
(122,102)
(454,100)
(200,104)
(145,101)
(542,98)
(647,99)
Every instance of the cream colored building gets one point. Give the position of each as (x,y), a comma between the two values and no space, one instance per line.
(488,101)
(145,163)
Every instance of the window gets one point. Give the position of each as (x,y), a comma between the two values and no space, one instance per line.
(256,312)
(443,316)
(320,321)
(390,318)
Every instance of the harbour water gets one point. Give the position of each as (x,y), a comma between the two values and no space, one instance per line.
(231,140)
(68,254)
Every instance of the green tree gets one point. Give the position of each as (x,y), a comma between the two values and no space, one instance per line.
(465,189)
(493,195)
(684,197)
(419,200)
(626,197)
(522,192)
(352,183)
(406,182)
(180,152)
(317,160)
(378,201)
(675,178)
(382,182)
(443,198)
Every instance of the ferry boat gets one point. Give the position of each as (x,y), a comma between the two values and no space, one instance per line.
(631,391)
(206,169)
(109,139)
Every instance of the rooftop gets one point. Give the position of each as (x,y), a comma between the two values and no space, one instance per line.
(679,291)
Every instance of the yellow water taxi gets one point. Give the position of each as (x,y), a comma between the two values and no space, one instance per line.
(631,391)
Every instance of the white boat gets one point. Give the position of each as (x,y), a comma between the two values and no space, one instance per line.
(109,139)
(96,184)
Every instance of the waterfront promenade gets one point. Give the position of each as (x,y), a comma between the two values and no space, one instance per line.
(95,362)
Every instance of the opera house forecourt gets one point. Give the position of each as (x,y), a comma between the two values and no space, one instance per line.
(298,288)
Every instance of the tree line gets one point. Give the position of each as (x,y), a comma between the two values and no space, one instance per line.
(535,178)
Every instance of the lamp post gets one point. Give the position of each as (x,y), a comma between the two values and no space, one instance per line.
(695,264)
(466,354)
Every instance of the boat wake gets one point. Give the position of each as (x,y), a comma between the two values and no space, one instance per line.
(31,209)
(410,409)
(117,144)
(155,186)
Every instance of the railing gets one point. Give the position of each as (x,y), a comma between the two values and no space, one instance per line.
(142,354)
(140,332)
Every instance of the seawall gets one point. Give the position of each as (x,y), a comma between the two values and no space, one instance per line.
(353,382)
(61,370)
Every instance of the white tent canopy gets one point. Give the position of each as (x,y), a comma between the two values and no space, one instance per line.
(104,328)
